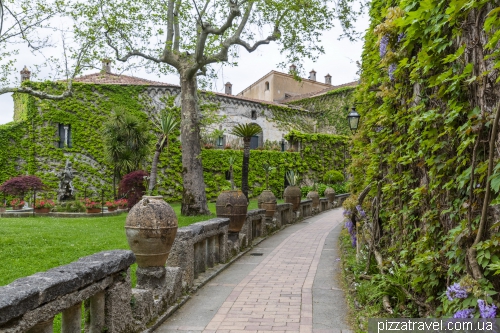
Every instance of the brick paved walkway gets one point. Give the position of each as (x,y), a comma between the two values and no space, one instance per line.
(275,292)
(277,295)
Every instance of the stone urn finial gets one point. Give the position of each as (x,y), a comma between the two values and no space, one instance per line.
(151,227)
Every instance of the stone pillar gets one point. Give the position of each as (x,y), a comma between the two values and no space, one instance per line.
(150,277)
(72,319)
(97,303)
(43,327)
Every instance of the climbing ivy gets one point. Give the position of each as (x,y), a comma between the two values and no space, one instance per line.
(428,95)
(331,109)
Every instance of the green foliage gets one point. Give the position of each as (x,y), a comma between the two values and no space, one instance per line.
(330,109)
(76,206)
(126,140)
(246,131)
(333,176)
(423,124)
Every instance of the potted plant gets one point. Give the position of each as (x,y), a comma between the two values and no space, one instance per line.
(112,205)
(17,204)
(314,196)
(92,206)
(232,204)
(43,206)
(292,193)
(267,200)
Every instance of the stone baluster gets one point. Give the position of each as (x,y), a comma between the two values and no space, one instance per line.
(72,319)
(97,303)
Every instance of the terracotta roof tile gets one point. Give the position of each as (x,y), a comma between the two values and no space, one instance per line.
(109,78)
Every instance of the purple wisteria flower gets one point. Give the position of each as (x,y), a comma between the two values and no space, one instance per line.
(383,45)
(361,211)
(463,314)
(392,69)
(401,36)
(487,311)
(350,226)
(456,291)
(352,231)
(347,213)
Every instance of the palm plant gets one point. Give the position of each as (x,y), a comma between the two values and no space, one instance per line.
(166,125)
(267,169)
(246,132)
(126,142)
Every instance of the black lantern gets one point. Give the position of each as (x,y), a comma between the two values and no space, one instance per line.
(282,145)
(353,119)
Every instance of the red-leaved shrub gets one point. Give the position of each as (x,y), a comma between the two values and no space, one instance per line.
(133,186)
(19,186)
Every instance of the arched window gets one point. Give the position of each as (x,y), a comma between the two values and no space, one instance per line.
(267,85)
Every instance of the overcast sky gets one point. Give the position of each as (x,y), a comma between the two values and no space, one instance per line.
(339,61)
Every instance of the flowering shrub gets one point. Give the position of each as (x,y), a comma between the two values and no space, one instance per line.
(17,202)
(92,204)
(111,204)
(44,204)
(121,202)
(465,294)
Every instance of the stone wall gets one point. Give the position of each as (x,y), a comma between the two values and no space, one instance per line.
(101,282)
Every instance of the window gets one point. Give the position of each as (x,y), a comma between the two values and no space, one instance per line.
(254,114)
(64,133)
(267,85)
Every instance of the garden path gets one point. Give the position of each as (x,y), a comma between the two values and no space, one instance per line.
(292,287)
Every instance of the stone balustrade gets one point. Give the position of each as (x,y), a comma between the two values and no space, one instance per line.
(101,282)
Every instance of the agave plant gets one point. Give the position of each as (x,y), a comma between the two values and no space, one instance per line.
(292,178)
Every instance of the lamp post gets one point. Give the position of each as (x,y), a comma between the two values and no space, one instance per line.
(353,119)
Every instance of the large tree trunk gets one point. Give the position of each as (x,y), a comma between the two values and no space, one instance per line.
(244,169)
(194,199)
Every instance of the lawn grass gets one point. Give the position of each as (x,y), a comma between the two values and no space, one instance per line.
(34,244)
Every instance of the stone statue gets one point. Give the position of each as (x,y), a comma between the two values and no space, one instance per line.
(66,190)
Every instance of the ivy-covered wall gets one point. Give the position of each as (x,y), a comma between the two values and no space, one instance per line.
(35,141)
(331,109)
(430,92)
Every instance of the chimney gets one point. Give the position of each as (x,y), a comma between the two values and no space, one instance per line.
(293,68)
(106,66)
(312,75)
(25,74)
(229,88)
(328,79)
